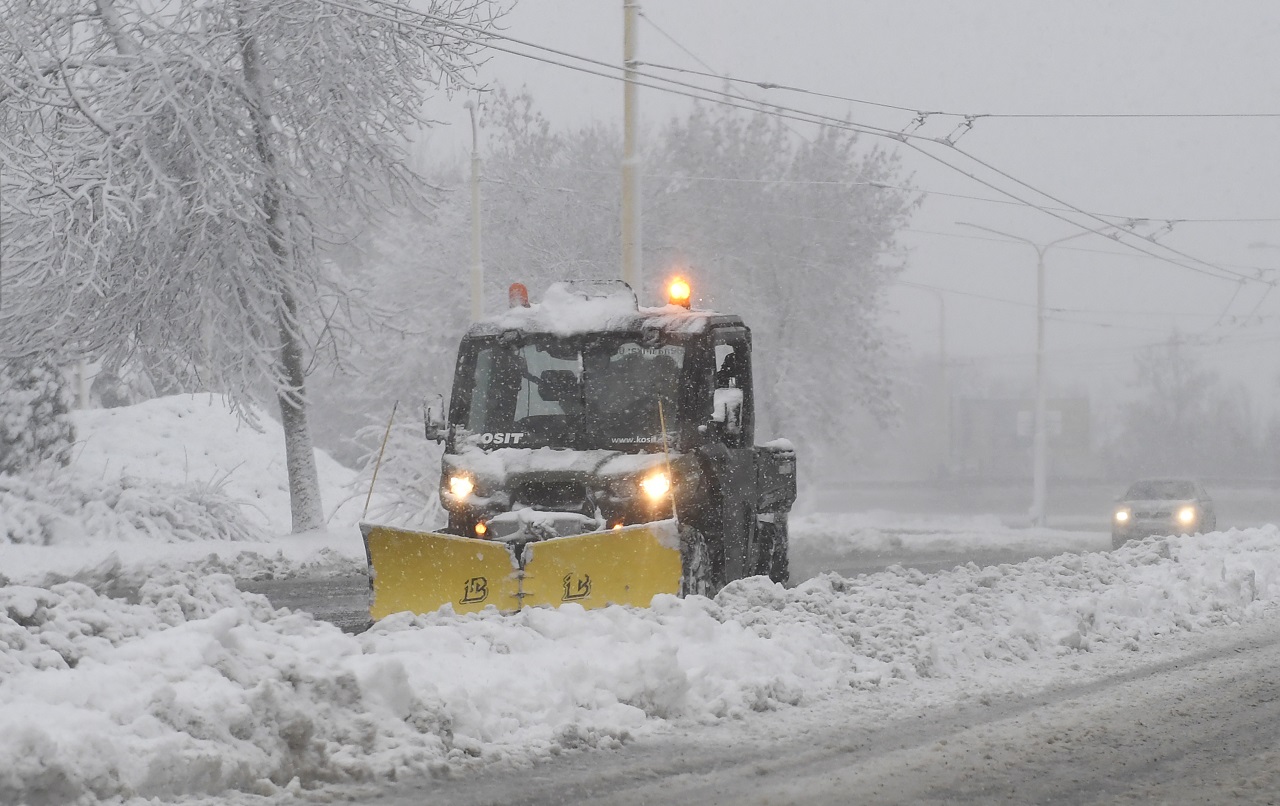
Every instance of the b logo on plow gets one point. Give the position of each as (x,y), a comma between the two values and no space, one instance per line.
(576,588)
(475,590)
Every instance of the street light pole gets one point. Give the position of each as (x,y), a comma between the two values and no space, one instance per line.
(631,254)
(944,391)
(944,394)
(1040,442)
(1040,446)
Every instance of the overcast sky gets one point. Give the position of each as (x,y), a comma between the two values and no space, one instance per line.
(1010,57)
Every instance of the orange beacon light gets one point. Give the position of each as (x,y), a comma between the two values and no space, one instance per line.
(679,292)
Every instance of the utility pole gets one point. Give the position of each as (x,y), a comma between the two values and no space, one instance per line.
(1040,446)
(630,160)
(477,267)
(944,393)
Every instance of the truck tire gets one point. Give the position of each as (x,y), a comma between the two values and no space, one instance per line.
(775,560)
(702,564)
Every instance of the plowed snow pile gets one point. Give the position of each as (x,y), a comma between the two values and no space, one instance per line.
(182,684)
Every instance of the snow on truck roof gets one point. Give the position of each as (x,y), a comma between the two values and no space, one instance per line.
(578,307)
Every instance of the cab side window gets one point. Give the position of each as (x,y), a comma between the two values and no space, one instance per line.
(729,368)
(732,386)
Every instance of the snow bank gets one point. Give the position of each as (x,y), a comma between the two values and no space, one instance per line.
(179,469)
(57,508)
(198,440)
(179,683)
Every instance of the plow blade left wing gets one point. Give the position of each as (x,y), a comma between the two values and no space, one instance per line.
(423,571)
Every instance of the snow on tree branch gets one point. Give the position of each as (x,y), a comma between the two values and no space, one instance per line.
(171,173)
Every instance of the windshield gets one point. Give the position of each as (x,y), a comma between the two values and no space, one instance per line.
(1161,490)
(598,394)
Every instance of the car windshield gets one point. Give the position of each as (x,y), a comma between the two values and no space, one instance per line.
(603,393)
(1161,490)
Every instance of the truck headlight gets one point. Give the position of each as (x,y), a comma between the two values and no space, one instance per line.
(1122,516)
(656,485)
(1187,516)
(461,487)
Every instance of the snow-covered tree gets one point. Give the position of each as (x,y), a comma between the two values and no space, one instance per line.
(1182,420)
(796,233)
(173,172)
(407,273)
(34,401)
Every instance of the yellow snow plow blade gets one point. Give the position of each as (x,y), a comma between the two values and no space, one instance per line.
(423,571)
(627,566)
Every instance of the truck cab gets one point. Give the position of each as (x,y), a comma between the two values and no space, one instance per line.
(587,412)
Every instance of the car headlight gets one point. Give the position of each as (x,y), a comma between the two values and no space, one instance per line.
(461,487)
(656,485)
(1187,516)
(1122,516)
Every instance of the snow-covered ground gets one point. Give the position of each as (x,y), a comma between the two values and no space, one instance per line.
(132,666)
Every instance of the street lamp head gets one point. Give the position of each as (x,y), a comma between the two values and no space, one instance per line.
(1039,247)
(996,232)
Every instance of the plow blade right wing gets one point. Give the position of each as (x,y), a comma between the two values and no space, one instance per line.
(423,571)
(627,566)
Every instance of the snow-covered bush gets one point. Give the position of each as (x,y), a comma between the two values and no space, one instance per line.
(47,509)
(34,401)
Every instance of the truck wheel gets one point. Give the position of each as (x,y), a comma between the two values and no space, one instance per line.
(702,564)
(775,560)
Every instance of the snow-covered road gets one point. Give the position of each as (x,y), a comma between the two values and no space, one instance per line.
(1192,720)
(846,544)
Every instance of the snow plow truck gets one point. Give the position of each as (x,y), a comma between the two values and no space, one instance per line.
(595,452)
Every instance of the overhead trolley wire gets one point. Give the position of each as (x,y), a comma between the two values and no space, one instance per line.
(949,142)
(1099,219)
(1066,247)
(803,116)
(1059,312)
(1167,220)
(926,112)
(1128,221)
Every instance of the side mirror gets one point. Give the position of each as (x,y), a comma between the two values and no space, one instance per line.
(433,420)
(726,409)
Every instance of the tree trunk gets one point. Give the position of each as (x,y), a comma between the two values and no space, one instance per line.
(300,458)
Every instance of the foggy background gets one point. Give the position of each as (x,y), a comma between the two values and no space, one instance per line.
(964,305)
(900,355)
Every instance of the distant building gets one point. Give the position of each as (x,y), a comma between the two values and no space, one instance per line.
(992,438)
